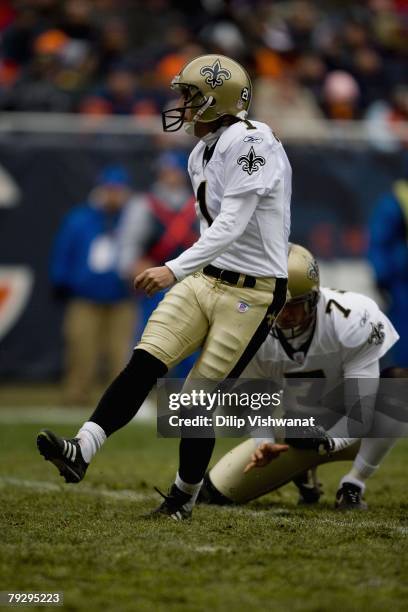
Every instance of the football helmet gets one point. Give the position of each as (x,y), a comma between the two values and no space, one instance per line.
(304,289)
(212,86)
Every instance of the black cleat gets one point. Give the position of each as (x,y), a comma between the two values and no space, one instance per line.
(312,438)
(350,497)
(310,490)
(64,453)
(173,505)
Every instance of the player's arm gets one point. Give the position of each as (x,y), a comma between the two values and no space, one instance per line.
(229,225)
(363,345)
(236,211)
(243,190)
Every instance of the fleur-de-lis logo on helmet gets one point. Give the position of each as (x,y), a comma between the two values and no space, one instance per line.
(251,162)
(313,271)
(216,74)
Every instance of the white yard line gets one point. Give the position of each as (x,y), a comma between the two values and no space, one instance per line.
(209,549)
(365,524)
(339,519)
(135,496)
(42,485)
(64,416)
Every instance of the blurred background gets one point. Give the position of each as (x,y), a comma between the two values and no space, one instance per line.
(92,191)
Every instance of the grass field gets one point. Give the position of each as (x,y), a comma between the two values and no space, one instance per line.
(92,542)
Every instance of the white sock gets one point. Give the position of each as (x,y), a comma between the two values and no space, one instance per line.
(351,478)
(372,452)
(190,489)
(91,437)
(341,443)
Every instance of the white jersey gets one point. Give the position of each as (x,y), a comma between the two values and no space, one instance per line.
(351,334)
(243,203)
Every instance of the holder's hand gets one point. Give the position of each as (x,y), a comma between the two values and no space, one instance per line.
(264,454)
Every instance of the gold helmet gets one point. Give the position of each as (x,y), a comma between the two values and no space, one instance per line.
(304,288)
(212,86)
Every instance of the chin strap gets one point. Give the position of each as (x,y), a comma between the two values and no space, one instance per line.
(202,109)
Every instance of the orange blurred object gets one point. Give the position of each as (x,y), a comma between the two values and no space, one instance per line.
(170,65)
(94,105)
(268,63)
(50,42)
(9,73)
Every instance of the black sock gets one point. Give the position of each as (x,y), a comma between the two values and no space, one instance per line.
(195,455)
(124,396)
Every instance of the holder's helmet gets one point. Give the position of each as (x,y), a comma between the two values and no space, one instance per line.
(304,288)
(212,86)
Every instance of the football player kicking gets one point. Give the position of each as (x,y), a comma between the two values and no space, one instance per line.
(228,287)
(319,333)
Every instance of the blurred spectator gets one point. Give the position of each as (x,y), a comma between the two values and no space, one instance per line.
(341,96)
(161,224)
(100,314)
(283,100)
(10,192)
(355,36)
(316,42)
(225,38)
(301,22)
(38,89)
(77,21)
(173,62)
(311,72)
(17,39)
(368,70)
(122,94)
(7,14)
(114,44)
(388,255)
(398,114)
(158,226)
(387,122)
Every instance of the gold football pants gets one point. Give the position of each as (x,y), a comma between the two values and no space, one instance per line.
(228,322)
(229,479)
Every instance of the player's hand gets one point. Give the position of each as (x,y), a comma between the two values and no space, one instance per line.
(153,280)
(264,454)
(142,264)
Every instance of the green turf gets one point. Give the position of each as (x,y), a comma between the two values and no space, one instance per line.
(269,555)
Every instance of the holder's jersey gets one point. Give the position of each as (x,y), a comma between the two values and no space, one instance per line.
(351,334)
(246,180)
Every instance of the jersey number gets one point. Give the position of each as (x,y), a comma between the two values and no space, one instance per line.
(345,311)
